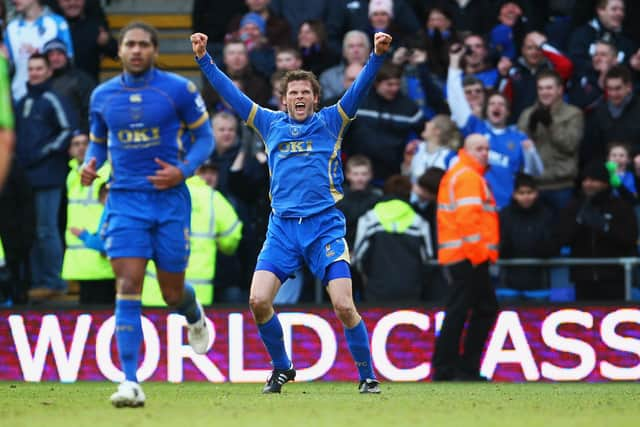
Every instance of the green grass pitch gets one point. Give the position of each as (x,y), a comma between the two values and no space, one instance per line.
(324,404)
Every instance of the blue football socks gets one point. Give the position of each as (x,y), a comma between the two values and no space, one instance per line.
(129,335)
(189,307)
(273,339)
(358,342)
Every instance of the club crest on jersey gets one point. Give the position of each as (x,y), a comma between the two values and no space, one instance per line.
(135,98)
(295,131)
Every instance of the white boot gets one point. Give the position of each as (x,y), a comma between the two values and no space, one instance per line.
(199,333)
(129,394)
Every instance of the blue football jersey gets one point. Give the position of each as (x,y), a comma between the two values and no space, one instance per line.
(142,119)
(304,158)
(506,157)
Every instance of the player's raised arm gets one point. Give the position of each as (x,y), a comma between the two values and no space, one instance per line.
(220,82)
(358,89)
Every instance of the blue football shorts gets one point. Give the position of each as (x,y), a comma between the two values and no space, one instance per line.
(150,224)
(318,241)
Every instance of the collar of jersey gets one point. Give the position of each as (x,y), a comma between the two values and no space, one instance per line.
(129,80)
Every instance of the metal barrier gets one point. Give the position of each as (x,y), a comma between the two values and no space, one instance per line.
(627,263)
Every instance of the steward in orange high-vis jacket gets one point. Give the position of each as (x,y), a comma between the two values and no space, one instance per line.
(467,216)
(468,236)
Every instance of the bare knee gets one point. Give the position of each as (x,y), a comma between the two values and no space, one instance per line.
(261,307)
(127,286)
(346,311)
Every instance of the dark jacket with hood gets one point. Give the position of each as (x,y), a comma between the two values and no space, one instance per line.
(44,125)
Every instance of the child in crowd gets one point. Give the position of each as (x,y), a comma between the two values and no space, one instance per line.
(525,232)
(619,162)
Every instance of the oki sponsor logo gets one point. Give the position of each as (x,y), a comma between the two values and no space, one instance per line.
(532,344)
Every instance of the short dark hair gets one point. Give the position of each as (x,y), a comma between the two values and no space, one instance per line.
(398,186)
(524,180)
(430,179)
(139,25)
(619,71)
(297,75)
(601,4)
(388,71)
(38,55)
(470,80)
(550,74)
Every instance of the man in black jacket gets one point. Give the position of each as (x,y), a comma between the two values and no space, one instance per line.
(385,119)
(614,119)
(44,125)
(598,224)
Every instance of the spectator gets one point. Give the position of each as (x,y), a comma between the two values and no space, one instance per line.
(440,35)
(261,54)
(26,33)
(213,19)
(392,246)
(511,150)
(232,280)
(382,19)
(225,133)
(475,94)
(586,89)
(557,129)
(475,16)
(525,232)
(619,156)
(236,64)
(607,25)
(350,74)
(424,196)
(275,102)
(17,232)
(85,257)
(422,86)
(277,30)
(359,197)
(537,55)
(355,50)
(476,61)
(288,58)
(43,130)
(614,119)
(70,82)
(509,33)
(440,138)
(90,33)
(386,120)
(357,15)
(597,224)
(313,47)
(328,12)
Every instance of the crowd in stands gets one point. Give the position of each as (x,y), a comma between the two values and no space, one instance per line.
(552,84)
